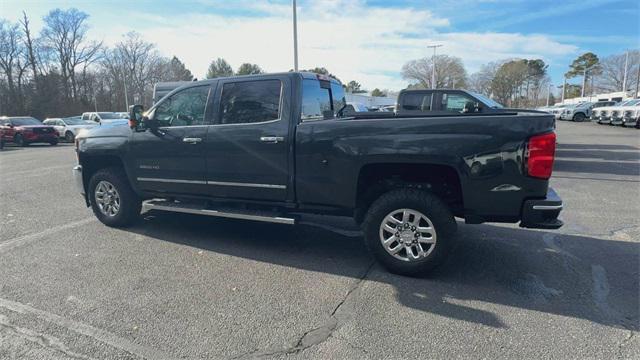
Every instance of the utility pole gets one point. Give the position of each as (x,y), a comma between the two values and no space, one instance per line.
(635,96)
(126,97)
(624,78)
(564,86)
(549,94)
(295,37)
(433,61)
(584,81)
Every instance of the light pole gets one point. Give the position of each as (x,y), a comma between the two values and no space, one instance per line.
(624,78)
(549,94)
(433,72)
(295,37)
(564,86)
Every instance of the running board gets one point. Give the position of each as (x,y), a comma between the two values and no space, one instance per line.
(165,205)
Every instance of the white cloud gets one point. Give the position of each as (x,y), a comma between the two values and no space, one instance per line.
(355,41)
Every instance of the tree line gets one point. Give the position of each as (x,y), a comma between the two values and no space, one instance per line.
(61,72)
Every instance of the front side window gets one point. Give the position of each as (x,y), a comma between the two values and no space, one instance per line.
(416,101)
(455,102)
(250,101)
(184,108)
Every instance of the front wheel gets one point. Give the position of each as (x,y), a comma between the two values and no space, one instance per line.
(113,201)
(68,136)
(409,231)
(579,117)
(53,142)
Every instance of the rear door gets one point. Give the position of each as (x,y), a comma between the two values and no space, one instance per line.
(416,102)
(248,147)
(171,158)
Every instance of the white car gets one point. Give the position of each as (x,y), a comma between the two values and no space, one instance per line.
(99,117)
(69,127)
(630,114)
(613,115)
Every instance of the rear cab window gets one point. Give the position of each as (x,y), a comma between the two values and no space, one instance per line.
(321,99)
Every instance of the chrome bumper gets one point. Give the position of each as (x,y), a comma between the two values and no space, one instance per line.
(77,178)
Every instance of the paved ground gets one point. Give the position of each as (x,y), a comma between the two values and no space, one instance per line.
(178,286)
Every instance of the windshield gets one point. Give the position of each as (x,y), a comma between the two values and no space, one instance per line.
(488,101)
(108,115)
(74,121)
(25,121)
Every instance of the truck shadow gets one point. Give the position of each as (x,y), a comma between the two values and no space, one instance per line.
(533,270)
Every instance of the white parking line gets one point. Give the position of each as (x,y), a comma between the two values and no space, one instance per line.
(86,330)
(19,241)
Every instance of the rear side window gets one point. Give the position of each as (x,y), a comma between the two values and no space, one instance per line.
(250,101)
(416,101)
(315,100)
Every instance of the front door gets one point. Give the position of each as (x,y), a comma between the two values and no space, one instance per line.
(248,147)
(170,158)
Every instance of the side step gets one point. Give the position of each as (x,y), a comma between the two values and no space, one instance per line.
(198,209)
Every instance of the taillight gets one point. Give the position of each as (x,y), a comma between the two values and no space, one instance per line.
(540,154)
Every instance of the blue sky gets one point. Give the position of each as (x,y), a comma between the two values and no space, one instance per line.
(367,41)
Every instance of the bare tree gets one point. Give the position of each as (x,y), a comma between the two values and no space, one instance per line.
(450,72)
(12,64)
(65,32)
(480,81)
(613,71)
(137,63)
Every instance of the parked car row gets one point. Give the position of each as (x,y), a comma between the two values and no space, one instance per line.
(25,130)
(626,113)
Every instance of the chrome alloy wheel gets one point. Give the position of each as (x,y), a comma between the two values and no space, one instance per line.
(107,198)
(407,235)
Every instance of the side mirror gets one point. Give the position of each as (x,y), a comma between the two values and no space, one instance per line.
(135,115)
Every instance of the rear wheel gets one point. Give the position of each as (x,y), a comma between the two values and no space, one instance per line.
(53,142)
(113,201)
(579,117)
(69,136)
(409,231)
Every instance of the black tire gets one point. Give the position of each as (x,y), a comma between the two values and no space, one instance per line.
(53,143)
(579,117)
(68,136)
(428,204)
(130,203)
(19,140)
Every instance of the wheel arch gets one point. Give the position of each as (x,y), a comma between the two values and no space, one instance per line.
(375,179)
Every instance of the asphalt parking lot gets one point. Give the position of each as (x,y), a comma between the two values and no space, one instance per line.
(180,286)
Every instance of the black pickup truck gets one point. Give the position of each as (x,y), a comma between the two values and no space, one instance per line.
(273,147)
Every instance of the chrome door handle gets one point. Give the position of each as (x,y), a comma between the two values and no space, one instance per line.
(272,139)
(189,140)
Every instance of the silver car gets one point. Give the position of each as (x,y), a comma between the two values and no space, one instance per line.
(69,127)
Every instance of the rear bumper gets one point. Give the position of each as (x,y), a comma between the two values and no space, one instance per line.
(542,213)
